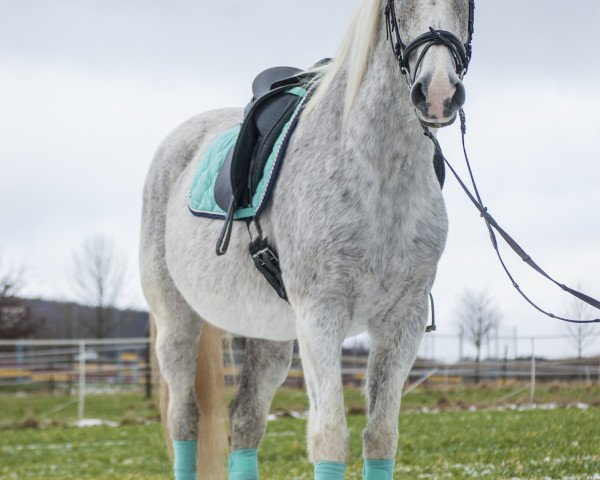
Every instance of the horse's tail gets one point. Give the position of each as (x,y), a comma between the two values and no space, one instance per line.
(211,394)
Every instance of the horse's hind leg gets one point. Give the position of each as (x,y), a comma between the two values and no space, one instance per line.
(266,365)
(178,331)
(395,341)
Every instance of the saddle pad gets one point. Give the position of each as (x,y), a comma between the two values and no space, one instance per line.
(201,200)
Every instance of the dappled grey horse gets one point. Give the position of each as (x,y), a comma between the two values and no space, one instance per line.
(358,219)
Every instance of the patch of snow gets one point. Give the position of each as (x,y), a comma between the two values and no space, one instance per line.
(95,422)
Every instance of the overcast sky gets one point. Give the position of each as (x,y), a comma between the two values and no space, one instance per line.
(89,88)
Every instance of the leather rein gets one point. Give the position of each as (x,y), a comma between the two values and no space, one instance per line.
(461,53)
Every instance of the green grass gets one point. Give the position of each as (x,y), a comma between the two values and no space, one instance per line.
(62,408)
(116,407)
(489,445)
(459,444)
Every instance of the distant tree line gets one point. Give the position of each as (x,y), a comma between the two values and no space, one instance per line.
(97,279)
(16,318)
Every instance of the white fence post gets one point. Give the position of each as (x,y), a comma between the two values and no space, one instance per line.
(81,405)
(497,344)
(20,358)
(532,392)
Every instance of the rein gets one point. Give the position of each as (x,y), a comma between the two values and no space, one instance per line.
(492,225)
(461,53)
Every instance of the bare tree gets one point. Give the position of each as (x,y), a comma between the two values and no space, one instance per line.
(477,317)
(11,281)
(16,319)
(581,335)
(98,280)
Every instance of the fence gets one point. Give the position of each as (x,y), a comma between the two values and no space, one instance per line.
(82,364)
(86,365)
(508,343)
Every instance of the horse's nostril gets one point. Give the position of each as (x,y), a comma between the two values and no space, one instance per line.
(459,97)
(419,96)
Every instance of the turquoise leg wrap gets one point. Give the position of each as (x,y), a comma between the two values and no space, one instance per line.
(186,457)
(330,471)
(243,465)
(378,470)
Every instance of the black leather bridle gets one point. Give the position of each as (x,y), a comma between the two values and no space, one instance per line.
(461,53)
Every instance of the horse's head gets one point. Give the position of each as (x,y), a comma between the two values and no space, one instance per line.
(433,42)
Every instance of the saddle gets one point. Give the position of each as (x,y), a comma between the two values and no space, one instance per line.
(277,92)
(264,117)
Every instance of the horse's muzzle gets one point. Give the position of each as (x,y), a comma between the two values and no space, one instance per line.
(438,99)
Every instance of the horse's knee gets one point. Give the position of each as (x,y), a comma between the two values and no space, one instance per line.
(183,415)
(380,441)
(265,368)
(328,443)
(247,426)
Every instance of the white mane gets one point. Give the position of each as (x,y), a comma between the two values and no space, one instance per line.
(354,54)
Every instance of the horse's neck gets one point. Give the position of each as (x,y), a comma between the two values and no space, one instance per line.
(382,133)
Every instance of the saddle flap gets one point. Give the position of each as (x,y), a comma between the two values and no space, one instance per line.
(260,130)
(270,121)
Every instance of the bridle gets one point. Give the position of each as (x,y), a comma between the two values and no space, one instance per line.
(461,53)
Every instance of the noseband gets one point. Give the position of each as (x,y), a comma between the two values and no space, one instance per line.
(461,53)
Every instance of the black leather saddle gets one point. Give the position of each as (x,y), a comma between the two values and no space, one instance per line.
(269,110)
(271,107)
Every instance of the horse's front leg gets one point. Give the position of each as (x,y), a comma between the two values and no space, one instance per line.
(395,340)
(321,331)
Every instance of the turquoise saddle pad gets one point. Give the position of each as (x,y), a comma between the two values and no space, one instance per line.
(201,199)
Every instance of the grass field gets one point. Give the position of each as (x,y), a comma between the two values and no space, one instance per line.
(455,442)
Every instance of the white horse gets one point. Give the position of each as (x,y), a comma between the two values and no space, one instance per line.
(359,222)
